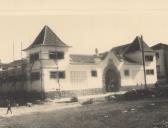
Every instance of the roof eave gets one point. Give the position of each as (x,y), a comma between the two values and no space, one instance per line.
(44,45)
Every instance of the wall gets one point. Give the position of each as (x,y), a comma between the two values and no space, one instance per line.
(136,71)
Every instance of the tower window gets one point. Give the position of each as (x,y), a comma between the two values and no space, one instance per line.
(56,55)
(57,74)
(34,57)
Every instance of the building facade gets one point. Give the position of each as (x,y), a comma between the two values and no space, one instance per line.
(52,71)
(161,51)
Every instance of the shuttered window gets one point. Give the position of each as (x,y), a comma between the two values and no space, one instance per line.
(56,55)
(57,74)
(34,57)
(150,72)
(148,58)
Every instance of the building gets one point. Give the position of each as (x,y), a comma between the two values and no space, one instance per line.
(161,51)
(51,71)
(130,63)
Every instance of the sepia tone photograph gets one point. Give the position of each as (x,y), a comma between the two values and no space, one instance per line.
(83,64)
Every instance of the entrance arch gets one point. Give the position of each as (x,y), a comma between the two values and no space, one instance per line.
(111,78)
(111,81)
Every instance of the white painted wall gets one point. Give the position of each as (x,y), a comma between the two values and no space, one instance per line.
(136,71)
(84,80)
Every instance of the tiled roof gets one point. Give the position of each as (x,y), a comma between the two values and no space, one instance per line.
(47,37)
(14,64)
(160,46)
(18,62)
(121,51)
(83,59)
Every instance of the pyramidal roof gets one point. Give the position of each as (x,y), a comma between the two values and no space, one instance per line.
(47,37)
(136,45)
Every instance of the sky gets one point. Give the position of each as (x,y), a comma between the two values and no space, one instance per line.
(82,24)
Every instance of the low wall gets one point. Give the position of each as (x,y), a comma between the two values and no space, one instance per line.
(70,93)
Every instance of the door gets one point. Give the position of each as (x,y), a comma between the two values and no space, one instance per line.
(111,81)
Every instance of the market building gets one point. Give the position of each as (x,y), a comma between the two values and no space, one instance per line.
(50,69)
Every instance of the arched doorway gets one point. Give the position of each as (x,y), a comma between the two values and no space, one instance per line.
(111,78)
(111,81)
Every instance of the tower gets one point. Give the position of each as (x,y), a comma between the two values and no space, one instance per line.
(48,58)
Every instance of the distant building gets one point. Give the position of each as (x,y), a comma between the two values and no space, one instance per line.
(51,71)
(161,51)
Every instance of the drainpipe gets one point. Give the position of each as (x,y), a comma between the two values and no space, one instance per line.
(41,72)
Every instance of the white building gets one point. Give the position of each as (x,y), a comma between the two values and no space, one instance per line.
(52,71)
(161,51)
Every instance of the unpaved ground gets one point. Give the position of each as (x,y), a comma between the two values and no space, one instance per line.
(126,114)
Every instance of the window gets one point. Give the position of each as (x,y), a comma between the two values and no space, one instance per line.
(148,58)
(94,73)
(60,55)
(157,55)
(57,75)
(158,68)
(34,57)
(56,55)
(126,73)
(150,72)
(35,76)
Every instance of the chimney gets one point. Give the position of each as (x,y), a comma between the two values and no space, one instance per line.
(96,52)
(97,58)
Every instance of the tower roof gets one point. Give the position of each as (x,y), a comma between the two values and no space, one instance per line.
(47,37)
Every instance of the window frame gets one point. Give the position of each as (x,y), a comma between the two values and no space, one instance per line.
(57,75)
(150,72)
(148,58)
(56,55)
(94,73)
(33,57)
(35,76)
(157,55)
(126,72)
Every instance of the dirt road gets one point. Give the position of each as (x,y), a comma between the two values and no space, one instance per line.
(126,114)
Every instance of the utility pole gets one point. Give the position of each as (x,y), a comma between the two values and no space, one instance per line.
(58,81)
(22,68)
(21,51)
(13,51)
(143,61)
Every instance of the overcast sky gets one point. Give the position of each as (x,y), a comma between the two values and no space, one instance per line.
(83,24)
